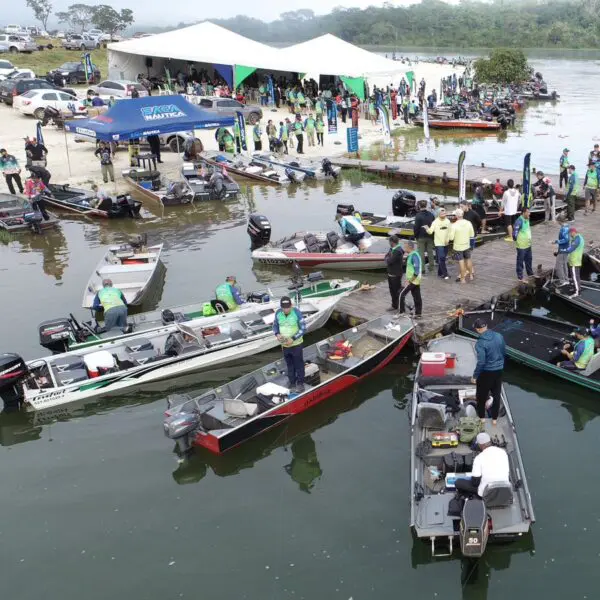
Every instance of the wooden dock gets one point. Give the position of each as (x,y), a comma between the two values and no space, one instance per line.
(442,174)
(495,275)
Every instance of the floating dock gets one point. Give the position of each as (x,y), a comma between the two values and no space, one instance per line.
(495,275)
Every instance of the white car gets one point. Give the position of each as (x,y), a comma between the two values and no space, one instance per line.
(34,102)
(6,67)
(18,74)
(120,88)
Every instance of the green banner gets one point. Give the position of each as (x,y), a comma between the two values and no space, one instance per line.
(356,85)
(410,77)
(240,73)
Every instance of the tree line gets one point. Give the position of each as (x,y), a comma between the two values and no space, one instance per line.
(432,23)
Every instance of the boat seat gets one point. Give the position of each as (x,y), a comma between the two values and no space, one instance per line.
(139,344)
(498,495)
(332,240)
(431,415)
(592,367)
(311,243)
(68,363)
(71,376)
(239,408)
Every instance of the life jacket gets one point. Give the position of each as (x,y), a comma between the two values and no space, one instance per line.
(110,297)
(576,257)
(223,293)
(289,325)
(523,239)
(587,354)
(592,179)
(410,269)
(256,133)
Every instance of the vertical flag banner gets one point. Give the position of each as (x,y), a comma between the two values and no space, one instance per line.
(425,121)
(384,115)
(39,135)
(271,89)
(242,124)
(332,118)
(88,67)
(526,199)
(462,184)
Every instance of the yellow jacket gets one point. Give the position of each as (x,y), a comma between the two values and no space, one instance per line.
(441,231)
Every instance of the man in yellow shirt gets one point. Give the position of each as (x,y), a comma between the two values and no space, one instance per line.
(461,233)
(440,228)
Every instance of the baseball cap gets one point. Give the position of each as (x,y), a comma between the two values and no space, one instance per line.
(285,302)
(479,324)
(596,145)
(458,212)
(581,331)
(573,229)
(483,438)
(566,150)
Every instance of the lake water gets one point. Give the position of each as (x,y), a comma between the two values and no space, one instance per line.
(98,505)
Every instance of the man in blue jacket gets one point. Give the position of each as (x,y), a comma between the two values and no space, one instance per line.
(561,268)
(490,350)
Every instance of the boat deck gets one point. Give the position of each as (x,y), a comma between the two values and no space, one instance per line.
(495,275)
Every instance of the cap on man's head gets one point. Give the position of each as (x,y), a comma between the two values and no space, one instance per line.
(106,282)
(479,324)
(581,331)
(596,145)
(230,278)
(483,438)
(285,302)
(573,229)
(2,149)
(566,150)
(459,213)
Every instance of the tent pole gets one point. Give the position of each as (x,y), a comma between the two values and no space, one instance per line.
(67,149)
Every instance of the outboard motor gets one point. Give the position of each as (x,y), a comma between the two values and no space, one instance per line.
(474,528)
(258,297)
(292,175)
(178,427)
(345,209)
(328,168)
(404,204)
(13,371)
(33,219)
(55,335)
(259,230)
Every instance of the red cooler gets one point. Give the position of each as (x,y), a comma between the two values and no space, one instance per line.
(433,364)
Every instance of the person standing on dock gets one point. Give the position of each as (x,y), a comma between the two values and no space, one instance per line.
(561,268)
(510,208)
(423,220)
(440,228)
(256,136)
(461,233)
(414,270)
(299,133)
(289,328)
(564,168)
(572,191)
(590,186)
(522,237)
(394,260)
(575,258)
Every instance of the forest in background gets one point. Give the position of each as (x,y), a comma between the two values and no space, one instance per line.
(432,23)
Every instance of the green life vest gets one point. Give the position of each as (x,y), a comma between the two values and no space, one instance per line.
(319,107)
(223,293)
(301,98)
(410,269)
(289,326)
(284,133)
(592,179)
(109,298)
(524,236)
(208,310)
(256,133)
(587,354)
(564,162)
(310,124)
(320,126)
(298,129)
(228,141)
(576,257)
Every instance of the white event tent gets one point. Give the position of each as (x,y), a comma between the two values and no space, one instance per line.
(232,55)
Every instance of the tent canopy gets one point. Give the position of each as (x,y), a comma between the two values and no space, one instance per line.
(209,44)
(330,55)
(140,117)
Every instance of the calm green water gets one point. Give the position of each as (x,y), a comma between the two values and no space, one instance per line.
(98,505)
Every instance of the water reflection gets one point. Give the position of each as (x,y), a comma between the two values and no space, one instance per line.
(304,468)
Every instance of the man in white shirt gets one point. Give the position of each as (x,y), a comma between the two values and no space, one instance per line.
(510,208)
(490,466)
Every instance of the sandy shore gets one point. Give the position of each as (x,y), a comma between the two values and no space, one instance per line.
(75,163)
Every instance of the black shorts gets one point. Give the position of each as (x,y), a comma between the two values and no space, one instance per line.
(462,254)
(510,219)
(480,210)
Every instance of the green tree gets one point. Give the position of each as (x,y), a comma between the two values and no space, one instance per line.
(505,65)
(77,16)
(41,10)
(109,20)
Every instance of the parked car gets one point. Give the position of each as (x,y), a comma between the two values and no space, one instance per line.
(3,49)
(78,41)
(9,88)
(119,88)
(228,107)
(17,43)
(6,67)
(19,74)
(34,102)
(14,29)
(72,73)
(172,141)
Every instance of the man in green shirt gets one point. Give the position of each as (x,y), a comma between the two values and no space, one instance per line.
(522,238)
(310,126)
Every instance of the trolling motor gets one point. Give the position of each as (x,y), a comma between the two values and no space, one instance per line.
(259,230)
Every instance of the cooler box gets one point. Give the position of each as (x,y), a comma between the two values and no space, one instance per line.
(452,477)
(147,185)
(450,360)
(98,363)
(433,364)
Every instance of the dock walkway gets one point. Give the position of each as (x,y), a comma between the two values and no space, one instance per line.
(495,275)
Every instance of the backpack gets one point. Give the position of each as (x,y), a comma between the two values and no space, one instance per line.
(468,428)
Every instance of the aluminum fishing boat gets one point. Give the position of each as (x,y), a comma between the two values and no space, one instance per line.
(588,299)
(223,418)
(171,351)
(15,217)
(313,169)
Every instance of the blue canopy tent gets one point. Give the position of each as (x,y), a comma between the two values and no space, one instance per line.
(140,117)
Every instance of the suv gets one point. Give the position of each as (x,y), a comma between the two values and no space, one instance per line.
(72,73)
(228,107)
(9,88)
(17,43)
(119,88)
(79,42)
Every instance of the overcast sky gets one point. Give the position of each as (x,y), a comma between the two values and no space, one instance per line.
(152,12)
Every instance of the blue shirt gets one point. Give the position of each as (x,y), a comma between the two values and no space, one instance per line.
(571,183)
(595,330)
(490,348)
(563,240)
(301,323)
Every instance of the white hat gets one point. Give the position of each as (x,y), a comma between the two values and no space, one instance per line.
(483,438)
(459,212)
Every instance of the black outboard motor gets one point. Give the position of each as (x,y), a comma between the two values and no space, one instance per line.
(328,168)
(259,230)
(291,175)
(55,335)
(474,528)
(178,427)
(33,219)
(13,371)
(404,204)
(345,209)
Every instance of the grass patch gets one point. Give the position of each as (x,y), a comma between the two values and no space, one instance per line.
(43,61)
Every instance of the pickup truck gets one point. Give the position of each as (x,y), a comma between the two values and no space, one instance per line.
(79,42)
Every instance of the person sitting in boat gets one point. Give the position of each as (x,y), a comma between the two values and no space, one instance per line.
(112,301)
(351,227)
(100,197)
(490,466)
(581,353)
(228,296)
